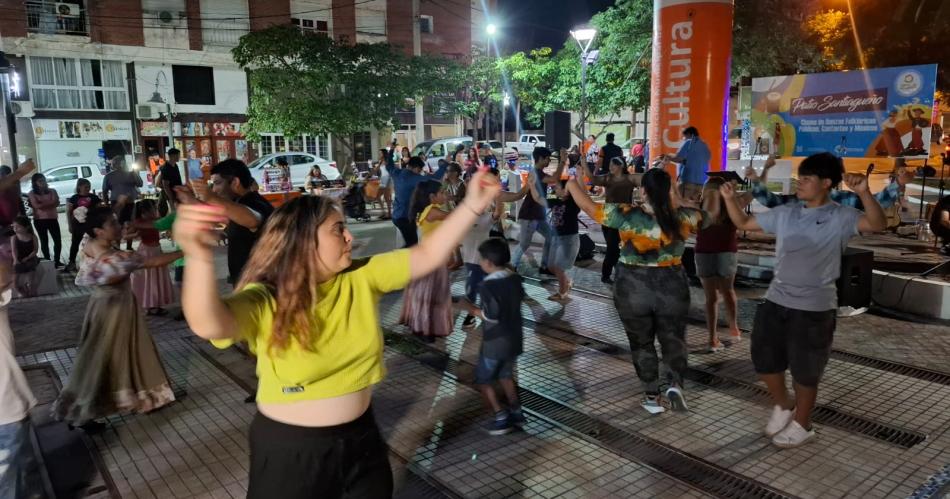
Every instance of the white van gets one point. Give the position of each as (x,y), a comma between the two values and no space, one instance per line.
(438,148)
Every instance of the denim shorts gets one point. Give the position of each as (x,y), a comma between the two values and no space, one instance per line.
(489,371)
(716,264)
(798,340)
(564,251)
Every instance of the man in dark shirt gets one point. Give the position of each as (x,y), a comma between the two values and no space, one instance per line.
(247,211)
(532,216)
(406,179)
(607,153)
(169,177)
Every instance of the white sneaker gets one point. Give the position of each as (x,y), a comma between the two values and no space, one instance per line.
(652,404)
(793,436)
(676,398)
(778,421)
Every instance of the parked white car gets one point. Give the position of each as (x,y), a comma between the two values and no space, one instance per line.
(527,142)
(437,149)
(63,180)
(300,164)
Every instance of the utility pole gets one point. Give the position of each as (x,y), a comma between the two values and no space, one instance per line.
(417,51)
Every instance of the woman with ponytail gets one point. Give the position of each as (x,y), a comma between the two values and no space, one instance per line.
(651,293)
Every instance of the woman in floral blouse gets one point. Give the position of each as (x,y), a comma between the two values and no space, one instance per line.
(117,367)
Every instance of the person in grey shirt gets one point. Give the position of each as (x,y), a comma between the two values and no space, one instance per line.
(795,326)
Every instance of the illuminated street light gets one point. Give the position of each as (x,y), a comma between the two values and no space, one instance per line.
(584,37)
(491,29)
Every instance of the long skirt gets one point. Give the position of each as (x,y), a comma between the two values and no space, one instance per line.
(427,304)
(152,286)
(117,368)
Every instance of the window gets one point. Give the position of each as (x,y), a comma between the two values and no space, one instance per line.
(362,147)
(318,145)
(86,172)
(313,25)
(371,18)
(300,159)
(437,151)
(61,174)
(267,145)
(61,83)
(295,143)
(193,85)
(310,144)
(56,18)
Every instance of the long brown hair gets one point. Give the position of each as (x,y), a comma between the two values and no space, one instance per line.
(713,184)
(285,259)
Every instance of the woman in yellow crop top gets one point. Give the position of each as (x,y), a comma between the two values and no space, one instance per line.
(309,313)
(427,302)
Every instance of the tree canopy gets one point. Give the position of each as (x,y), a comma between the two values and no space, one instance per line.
(303,82)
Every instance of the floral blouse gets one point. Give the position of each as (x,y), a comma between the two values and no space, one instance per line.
(110,268)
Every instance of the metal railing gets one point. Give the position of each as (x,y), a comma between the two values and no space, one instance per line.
(54,18)
(223,33)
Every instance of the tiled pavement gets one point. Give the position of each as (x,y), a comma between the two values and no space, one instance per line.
(197,447)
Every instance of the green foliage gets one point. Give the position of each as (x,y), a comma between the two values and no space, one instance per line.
(764,43)
(619,79)
(308,83)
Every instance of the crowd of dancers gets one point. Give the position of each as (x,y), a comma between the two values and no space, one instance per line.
(308,311)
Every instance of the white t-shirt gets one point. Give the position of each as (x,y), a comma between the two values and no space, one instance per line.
(476,236)
(16,398)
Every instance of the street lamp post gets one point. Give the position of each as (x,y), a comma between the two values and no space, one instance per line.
(490,31)
(504,116)
(157,99)
(7,73)
(584,39)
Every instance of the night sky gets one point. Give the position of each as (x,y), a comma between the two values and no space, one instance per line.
(528,24)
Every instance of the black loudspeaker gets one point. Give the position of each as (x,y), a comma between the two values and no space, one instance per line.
(557,130)
(854,284)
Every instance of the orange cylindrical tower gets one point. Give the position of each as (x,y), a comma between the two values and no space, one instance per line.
(692,47)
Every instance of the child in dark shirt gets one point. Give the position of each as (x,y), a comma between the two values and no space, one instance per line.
(501,295)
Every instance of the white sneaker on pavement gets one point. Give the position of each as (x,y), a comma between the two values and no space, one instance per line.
(652,404)
(778,421)
(677,400)
(793,436)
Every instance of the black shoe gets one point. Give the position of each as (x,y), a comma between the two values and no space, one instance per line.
(606,280)
(545,271)
(469,321)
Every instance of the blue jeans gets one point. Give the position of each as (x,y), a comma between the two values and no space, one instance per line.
(528,228)
(475,277)
(16,460)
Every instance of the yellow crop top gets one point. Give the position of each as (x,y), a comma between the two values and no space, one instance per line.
(348,351)
(425,226)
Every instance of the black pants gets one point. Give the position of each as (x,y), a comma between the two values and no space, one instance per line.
(407,228)
(345,461)
(46,228)
(612,240)
(77,233)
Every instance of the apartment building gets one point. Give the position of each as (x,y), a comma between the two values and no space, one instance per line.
(98,78)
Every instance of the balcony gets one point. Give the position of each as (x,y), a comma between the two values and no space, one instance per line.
(56,18)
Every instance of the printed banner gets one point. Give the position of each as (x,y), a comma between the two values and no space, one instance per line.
(44,129)
(875,112)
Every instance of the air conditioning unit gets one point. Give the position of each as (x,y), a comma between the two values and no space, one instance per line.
(22,109)
(425,24)
(146,112)
(166,17)
(67,9)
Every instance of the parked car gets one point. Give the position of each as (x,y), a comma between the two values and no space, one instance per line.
(438,148)
(527,142)
(300,164)
(63,180)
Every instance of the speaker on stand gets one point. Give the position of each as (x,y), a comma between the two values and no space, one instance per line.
(557,130)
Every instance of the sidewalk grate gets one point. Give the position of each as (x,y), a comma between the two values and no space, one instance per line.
(699,473)
(892,367)
(822,414)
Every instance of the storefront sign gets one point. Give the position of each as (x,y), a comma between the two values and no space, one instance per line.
(876,112)
(158,128)
(97,130)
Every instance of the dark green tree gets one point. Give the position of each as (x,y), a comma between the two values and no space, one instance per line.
(303,82)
